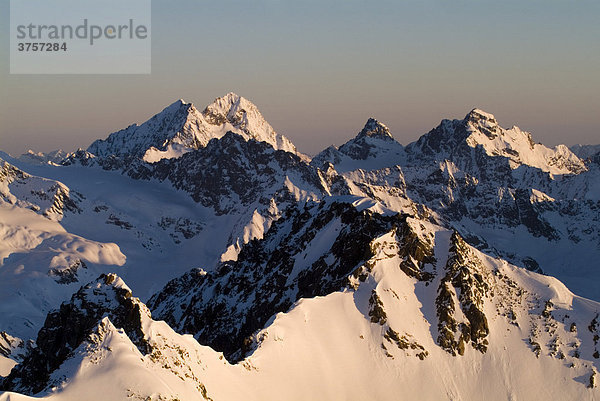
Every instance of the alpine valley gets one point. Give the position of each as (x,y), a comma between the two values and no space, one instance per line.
(200,255)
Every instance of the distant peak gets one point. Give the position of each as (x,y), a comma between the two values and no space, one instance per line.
(477,115)
(175,107)
(225,107)
(176,104)
(229,99)
(375,129)
(231,96)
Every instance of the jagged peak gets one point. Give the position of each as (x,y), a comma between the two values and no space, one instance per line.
(107,290)
(112,280)
(481,129)
(231,97)
(175,107)
(68,326)
(180,128)
(177,103)
(237,110)
(375,129)
(224,104)
(477,115)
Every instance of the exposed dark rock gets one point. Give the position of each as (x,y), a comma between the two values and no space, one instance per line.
(66,328)
(464,280)
(230,172)
(69,274)
(531,265)
(376,311)
(224,308)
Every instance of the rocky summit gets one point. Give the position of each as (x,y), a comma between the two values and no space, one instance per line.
(200,255)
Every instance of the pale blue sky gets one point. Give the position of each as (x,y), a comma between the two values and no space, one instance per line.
(318,69)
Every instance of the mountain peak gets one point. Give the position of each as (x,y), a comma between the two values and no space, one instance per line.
(232,108)
(240,115)
(231,97)
(176,104)
(383,152)
(375,129)
(180,128)
(480,129)
(478,115)
(68,326)
(179,106)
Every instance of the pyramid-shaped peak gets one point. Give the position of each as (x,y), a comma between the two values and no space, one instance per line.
(375,129)
(478,115)
(230,97)
(176,105)
(178,102)
(180,110)
(230,104)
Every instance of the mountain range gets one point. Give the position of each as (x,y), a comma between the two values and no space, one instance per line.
(200,255)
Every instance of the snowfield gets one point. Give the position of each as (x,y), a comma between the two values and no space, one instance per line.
(200,255)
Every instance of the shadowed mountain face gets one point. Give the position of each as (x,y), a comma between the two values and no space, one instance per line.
(504,193)
(66,328)
(231,171)
(181,128)
(270,275)
(383,263)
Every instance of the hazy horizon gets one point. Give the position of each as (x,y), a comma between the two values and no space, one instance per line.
(318,70)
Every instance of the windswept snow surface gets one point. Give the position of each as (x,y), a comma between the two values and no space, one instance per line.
(218,222)
(329,348)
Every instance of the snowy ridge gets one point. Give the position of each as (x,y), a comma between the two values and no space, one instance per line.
(181,128)
(478,128)
(54,157)
(373,147)
(264,282)
(388,316)
(50,198)
(374,271)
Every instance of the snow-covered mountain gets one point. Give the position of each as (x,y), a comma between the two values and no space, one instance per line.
(56,156)
(232,172)
(420,315)
(372,271)
(534,206)
(373,147)
(41,263)
(459,140)
(181,128)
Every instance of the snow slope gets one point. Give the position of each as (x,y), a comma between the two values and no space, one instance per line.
(181,128)
(373,148)
(478,128)
(531,205)
(374,271)
(378,338)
